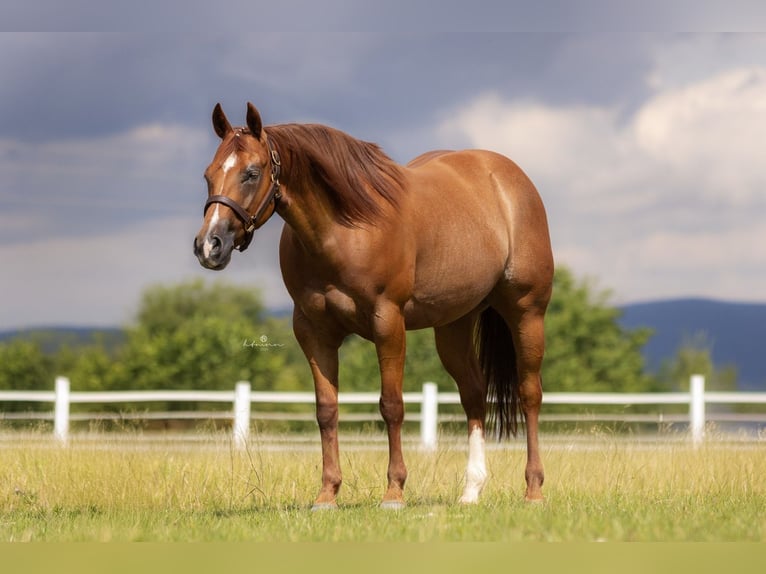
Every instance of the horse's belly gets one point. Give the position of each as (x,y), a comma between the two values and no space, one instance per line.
(453,279)
(434,308)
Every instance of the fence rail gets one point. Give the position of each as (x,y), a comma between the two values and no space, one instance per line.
(242,397)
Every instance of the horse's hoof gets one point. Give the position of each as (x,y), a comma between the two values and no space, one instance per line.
(534,501)
(470,496)
(392,505)
(321,506)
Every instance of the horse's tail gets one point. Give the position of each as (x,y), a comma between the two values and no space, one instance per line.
(497,357)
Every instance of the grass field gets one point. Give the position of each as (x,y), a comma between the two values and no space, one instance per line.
(600,489)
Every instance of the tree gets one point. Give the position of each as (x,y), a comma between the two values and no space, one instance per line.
(89,367)
(359,364)
(24,367)
(205,336)
(694,357)
(586,348)
(166,308)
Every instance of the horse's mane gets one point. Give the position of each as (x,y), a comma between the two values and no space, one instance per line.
(349,171)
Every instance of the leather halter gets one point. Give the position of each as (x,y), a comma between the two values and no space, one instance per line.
(250,222)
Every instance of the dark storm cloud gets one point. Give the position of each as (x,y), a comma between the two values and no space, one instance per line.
(400,15)
(70,89)
(95,84)
(414,75)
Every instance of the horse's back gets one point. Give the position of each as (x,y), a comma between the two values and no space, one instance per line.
(479,187)
(427,156)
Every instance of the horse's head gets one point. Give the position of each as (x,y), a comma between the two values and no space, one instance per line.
(243,189)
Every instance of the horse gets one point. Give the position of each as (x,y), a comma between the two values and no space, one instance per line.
(456,241)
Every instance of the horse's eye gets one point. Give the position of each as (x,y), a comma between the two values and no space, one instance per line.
(251,174)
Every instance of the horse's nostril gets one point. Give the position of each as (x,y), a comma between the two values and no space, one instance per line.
(215,244)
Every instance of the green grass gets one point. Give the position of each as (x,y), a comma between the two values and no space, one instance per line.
(613,490)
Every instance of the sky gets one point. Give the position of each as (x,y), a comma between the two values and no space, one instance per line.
(647,147)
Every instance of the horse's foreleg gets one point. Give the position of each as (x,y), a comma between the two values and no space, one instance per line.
(327,418)
(390,343)
(323,360)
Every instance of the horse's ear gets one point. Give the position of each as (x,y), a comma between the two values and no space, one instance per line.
(221,124)
(254,121)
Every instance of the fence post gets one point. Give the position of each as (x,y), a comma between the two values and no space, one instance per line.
(697,408)
(429,412)
(241,426)
(61,411)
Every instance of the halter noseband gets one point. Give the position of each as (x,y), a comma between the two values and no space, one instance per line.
(250,222)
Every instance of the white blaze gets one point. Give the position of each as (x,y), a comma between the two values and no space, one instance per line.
(476,471)
(206,246)
(228,163)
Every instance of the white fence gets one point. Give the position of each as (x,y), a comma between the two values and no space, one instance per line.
(242,398)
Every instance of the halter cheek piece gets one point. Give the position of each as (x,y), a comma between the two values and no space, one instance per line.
(250,222)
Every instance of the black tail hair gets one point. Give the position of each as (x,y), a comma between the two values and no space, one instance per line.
(497,357)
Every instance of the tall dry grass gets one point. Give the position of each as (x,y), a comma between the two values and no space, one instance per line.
(602,488)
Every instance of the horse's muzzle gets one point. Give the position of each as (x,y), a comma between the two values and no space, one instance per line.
(213,251)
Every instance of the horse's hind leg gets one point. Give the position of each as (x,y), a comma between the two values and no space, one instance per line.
(454,343)
(529,342)
(523,311)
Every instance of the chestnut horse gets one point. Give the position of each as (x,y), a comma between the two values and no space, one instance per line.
(455,240)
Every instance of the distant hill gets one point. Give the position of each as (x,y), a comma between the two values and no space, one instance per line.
(737,332)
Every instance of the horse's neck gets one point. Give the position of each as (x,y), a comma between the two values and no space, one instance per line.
(308,212)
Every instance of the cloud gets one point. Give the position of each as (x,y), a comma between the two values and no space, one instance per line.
(102,276)
(71,186)
(665,200)
(242,17)
(710,135)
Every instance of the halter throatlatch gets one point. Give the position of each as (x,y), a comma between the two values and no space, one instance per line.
(250,222)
